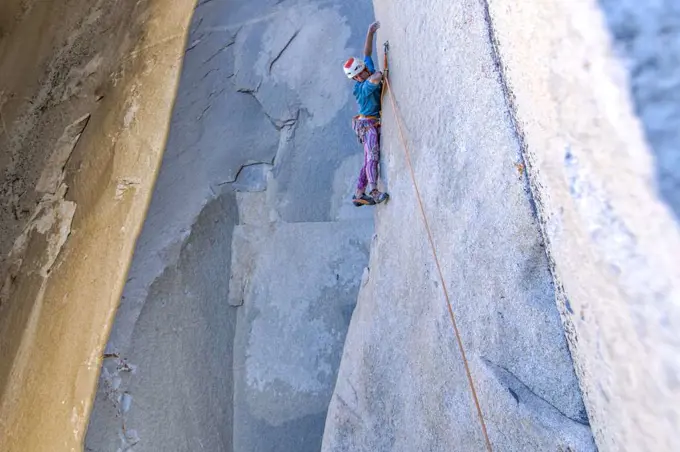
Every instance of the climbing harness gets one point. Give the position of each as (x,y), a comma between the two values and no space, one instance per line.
(361,124)
(397,115)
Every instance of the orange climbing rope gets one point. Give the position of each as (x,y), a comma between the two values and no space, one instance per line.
(386,86)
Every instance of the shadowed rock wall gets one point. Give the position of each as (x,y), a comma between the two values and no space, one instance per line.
(236,307)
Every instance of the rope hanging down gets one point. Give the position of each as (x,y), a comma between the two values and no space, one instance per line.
(387,87)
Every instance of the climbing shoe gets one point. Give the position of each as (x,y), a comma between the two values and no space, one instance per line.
(363,200)
(379,197)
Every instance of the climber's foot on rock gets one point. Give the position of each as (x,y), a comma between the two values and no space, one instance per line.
(362,200)
(379,197)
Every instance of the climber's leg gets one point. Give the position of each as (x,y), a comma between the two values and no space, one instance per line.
(372,160)
(360,199)
(368,132)
(362,181)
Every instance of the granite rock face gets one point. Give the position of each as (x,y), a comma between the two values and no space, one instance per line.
(402,384)
(544,141)
(232,322)
(593,95)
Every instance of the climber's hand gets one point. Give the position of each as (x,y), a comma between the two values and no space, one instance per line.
(368,47)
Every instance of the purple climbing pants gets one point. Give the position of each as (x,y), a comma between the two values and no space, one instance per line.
(368,133)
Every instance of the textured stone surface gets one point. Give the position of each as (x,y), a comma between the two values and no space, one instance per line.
(402,384)
(178,385)
(298,294)
(234,312)
(594,87)
(86,92)
(249,252)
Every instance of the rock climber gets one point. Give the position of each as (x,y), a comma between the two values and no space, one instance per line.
(366,125)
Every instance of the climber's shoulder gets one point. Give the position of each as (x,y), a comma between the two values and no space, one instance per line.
(375,78)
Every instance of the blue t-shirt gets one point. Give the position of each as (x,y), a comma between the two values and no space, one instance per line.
(367,94)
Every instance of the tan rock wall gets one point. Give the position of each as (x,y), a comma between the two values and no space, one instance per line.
(86,93)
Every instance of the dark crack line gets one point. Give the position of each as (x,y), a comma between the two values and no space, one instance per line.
(279,124)
(513,378)
(198,25)
(207,74)
(252,92)
(193,45)
(276,58)
(205,110)
(202,3)
(354,390)
(212,95)
(533,195)
(347,407)
(282,124)
(220,50)
(240,170)
(271,163)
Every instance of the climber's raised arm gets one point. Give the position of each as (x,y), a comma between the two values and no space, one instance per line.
(368,47)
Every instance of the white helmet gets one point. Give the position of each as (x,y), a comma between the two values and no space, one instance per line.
(354,67)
